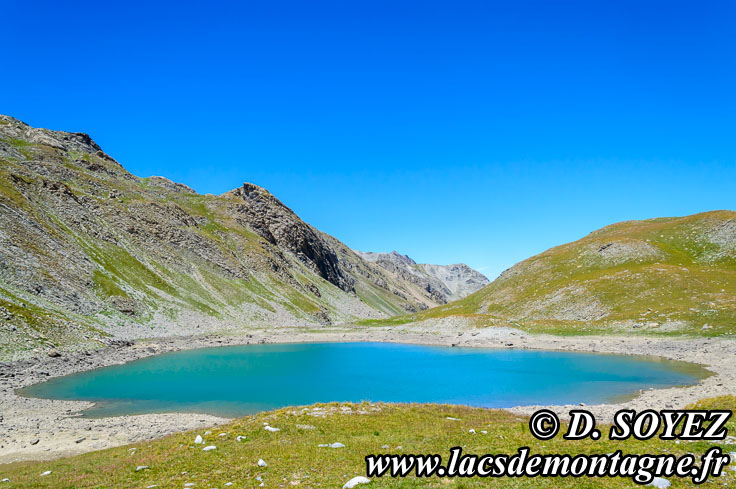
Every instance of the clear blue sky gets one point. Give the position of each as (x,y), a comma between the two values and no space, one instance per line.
(482,132)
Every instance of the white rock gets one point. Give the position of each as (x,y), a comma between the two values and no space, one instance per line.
(207,433)
(337,445)
(5,480)
(384,446)
(46,473)
(151,486)
(452,419)
(261,484)
(240,438)
(198,440)
(471,430)
(271,428)
(660,483)
(222,434)
(259,478)
(228,484)
(208,448)
(189,484)
(355,481)
(141,467)
(262,463)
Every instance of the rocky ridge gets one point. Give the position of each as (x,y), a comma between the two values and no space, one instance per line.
(443,283)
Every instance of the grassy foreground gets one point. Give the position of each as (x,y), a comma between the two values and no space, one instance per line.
(294,458)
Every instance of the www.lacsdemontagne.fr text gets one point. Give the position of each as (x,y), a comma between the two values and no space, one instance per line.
(640,468)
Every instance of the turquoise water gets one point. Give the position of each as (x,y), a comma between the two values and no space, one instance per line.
(239,380)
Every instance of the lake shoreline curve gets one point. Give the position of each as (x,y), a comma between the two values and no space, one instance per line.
(43,429)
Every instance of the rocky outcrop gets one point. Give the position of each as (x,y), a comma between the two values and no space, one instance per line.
(280,226)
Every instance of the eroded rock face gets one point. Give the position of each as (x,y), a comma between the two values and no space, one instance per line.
(280,226)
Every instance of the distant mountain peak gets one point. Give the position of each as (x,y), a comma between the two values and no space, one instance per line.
(445,283)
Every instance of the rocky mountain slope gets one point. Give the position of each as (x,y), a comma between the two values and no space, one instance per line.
(666,275)
(90,252)
(443,283)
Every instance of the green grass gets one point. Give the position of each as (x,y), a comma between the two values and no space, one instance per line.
(378,298)
(106,285)
(22,146)
(294,458)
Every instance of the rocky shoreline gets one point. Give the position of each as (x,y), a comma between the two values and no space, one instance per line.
(41,429)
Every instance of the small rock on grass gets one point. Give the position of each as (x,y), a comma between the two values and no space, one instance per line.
(240,438)
(45,473)
(355,481)
(271,428)
(198,440)
(660,483)
(141,467)
(262,463)
(208,448)
(331,445)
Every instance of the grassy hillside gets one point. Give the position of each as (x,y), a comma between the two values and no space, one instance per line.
(295,459)
(668,275)
(90,252)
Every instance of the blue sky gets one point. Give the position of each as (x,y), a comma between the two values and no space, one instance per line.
(482,132)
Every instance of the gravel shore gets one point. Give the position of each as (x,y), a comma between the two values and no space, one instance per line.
(39,429)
